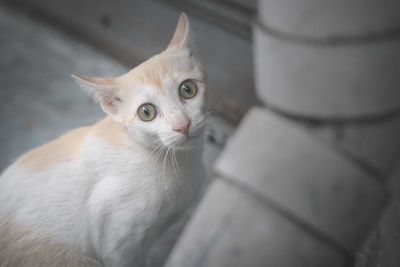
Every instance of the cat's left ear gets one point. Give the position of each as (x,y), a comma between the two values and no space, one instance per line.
(103,90)
(181,38)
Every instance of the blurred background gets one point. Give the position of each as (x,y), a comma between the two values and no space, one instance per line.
(306,93)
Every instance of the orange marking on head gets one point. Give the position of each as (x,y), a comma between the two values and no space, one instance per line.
(63,149)
(152,72)
(140,78)
(153,77)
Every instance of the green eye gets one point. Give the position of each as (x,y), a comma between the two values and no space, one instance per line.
(187,89)
(147,112)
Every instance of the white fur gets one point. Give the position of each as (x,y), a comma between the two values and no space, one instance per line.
(115,203)
(110,205)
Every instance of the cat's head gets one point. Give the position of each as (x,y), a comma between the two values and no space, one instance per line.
(161,101)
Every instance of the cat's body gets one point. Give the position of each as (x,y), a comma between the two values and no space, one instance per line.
(128,195)
(112,190)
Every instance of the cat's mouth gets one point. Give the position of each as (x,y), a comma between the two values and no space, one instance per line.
(183,142)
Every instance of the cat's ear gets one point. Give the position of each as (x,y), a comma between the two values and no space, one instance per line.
(103,90)
(181,38)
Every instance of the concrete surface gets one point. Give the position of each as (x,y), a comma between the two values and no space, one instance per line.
(374,143)
(304,176)
(331,19)
(327,79)
(233,227)
(383,245)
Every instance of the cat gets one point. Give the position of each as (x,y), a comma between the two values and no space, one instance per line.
(110,193)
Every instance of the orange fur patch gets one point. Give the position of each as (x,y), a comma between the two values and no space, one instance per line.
(67,147)
(64,148)
(154,78)
(152,74)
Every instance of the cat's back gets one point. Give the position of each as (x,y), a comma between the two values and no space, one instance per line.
(66,151)
(63,149)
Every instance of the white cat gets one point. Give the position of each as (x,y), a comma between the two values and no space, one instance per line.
(112,190)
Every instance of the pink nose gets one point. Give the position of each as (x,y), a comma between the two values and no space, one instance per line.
(182,127)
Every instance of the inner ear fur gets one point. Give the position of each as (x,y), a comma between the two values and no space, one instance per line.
(103,90)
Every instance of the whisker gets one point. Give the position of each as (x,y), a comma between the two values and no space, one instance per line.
(158,154)
(180,171)
(165,157)
(208,113)
(151,153)
(177,164)
(173,166)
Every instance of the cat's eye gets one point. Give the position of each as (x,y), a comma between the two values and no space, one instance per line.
(147,112)
(187,89)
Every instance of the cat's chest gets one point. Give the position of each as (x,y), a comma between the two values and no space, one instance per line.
(141,199)
(149,187)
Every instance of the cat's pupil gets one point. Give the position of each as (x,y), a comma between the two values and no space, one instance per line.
(146,111)
(186,88)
